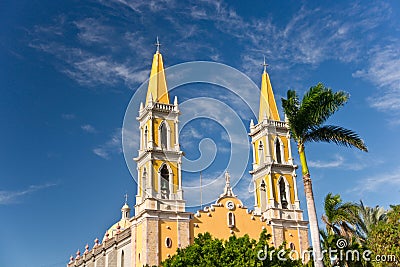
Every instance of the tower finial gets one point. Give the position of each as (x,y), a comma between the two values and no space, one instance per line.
(265,65)
(158,45)
(228,189)
(126,198)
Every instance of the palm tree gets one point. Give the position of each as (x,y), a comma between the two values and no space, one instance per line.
(367,218)
(305,120)
(340,218)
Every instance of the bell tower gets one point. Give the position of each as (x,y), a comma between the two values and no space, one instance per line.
(273,172)
(159,159)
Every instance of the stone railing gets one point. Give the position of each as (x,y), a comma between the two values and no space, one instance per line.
(97,249)
(164,107)
(278,124)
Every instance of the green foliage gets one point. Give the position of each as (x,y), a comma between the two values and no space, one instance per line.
(236,251)
(384,238)
(352,249)
(306,117)
(340,218)
(367,218)
(364,230)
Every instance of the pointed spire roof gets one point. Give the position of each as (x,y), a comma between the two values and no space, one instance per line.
(268,106)
(157,90)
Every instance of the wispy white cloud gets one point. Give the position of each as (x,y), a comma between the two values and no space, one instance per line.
(356,163)
(337,162)
(10,197)
(88,128)
(189,133)
(384,72)
(91,70)
(381,182)
(68,116)
(112,146)
(92,31)
(308,38)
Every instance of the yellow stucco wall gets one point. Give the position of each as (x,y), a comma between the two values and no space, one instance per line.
(216,222)
(168,229)
(139,244)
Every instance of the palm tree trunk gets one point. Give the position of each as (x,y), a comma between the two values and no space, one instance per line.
(312,213)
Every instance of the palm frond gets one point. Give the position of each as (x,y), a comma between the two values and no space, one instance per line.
(337,135)
(291,107)
(367,218)
(319,103)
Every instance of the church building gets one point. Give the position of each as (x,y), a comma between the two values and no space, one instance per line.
(161,224)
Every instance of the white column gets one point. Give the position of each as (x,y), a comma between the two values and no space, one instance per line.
(255,192)
(180,193)
(138,181)
(151,177)
(271,191)
(290,157)
(254,154)
(151,133)
(296,197)
(141,138)
(268,153)
(176,136)
(171,185)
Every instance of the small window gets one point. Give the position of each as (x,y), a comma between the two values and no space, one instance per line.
(261,152)
(292,246)
(122,259)
(262,186)
(278,151)
(231,220)
(168,242)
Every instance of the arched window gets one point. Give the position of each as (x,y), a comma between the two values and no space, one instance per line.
(164,135)
(261,152)
(282,192)
(262,186)
(231,220)
(146,132)
(164,182)
(292,246)
(122,259)
(278,151)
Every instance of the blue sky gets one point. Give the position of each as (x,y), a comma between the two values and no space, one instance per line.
(70,68)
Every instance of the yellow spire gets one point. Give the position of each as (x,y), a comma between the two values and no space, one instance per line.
(157,90)
(268,107)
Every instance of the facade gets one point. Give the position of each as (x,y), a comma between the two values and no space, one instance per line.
(161,223)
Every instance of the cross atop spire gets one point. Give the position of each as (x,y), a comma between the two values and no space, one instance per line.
(158,45)
(265,65)
(126,198)
(157,90)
